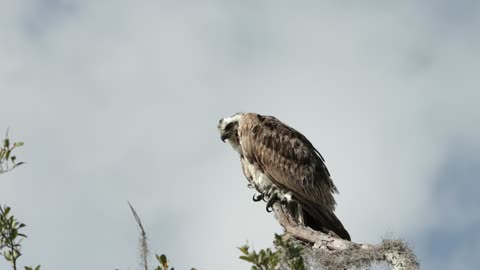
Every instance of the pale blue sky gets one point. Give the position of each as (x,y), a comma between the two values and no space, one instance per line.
(119,100)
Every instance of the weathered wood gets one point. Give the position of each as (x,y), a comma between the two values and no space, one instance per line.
(331,252)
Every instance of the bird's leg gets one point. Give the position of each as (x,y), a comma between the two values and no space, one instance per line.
(267,194)
(272,198)
(277,195)
(274,194)
(272,189)
(293,206)
(285,197)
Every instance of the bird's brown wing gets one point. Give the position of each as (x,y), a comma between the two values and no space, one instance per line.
(287,158)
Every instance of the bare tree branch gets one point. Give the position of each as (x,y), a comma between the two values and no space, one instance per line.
(143,238)
(329,252)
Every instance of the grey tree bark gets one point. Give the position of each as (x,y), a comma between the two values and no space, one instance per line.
(324,251)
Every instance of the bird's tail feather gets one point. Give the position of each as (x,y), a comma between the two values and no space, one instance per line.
(319,218)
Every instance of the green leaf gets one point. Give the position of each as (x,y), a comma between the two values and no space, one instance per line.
(247,258)
(163,259)
(16,253)
(14,234)
(6,211)
(261,256)
(18,164)
(244,249)
(18,144)
(8,255)
(38,267)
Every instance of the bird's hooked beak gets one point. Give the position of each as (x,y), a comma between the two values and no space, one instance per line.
(223,136)
(223,133)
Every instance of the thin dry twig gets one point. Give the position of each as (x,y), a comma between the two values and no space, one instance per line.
(143,244)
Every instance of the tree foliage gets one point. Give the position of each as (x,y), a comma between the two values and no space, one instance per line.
(11,238)
(8,161)
(286,253)
(10,228)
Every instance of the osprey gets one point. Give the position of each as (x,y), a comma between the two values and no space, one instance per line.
(283,166)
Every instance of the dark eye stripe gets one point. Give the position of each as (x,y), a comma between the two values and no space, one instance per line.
(229,126)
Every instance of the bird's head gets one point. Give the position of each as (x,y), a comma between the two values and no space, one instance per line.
(228,127)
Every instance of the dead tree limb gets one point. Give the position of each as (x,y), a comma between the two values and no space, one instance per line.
(329,252)
(143,243)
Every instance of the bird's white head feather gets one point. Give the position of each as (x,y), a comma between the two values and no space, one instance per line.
(228,130)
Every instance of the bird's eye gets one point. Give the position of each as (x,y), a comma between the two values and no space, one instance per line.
(229,126)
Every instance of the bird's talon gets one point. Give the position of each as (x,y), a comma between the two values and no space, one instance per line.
(258,197)
(271,201)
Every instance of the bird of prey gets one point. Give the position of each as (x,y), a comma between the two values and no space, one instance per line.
(284,166)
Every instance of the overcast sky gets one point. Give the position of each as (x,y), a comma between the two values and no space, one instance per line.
(119,100)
